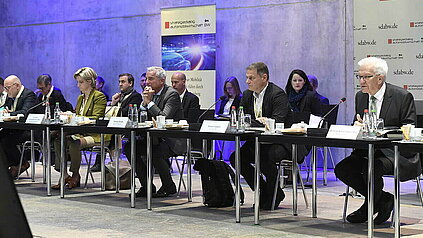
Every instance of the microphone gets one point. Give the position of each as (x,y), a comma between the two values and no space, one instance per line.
(331,110)
(37,105)
(208,109)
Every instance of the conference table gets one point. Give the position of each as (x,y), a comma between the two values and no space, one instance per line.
(197,135)
(315,141)
(398,147)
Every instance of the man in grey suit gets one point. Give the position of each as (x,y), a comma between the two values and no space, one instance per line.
(396,106)
(158,99)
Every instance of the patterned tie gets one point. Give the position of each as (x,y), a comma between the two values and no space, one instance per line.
(373,104)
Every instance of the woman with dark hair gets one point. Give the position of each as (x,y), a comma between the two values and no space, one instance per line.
(300,94)
(232,96)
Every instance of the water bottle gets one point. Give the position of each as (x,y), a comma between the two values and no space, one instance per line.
(372,126)
(234,121)
(241,119)
(367,123)
(57,113)
(135,116)
(130,115)
(47,114)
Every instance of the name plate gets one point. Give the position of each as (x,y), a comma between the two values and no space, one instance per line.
(214,126)
(35,119)
(344,132)
(119,122)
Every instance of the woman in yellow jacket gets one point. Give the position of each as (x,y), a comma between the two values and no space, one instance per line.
(91,104)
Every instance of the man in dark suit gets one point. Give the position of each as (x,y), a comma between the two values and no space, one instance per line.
(396,106)
(189,100)
(158,99)
(263,100)
(315,84)
(54,95)
(19,101)
(127,95)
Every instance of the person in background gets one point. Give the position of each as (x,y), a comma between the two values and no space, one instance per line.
(143,80)
(300,94)
(315,84)
(232,93)
(99,85)
(91,104)
(53,94)
(396,107)
(3,93)
(20,101)
(189,100)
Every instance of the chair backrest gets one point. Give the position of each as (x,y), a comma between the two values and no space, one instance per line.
(331,118)
(298,117)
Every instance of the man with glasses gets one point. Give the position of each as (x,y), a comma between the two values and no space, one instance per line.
(19,101)
(396,106)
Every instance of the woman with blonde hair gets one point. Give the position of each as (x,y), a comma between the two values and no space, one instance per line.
(91,104)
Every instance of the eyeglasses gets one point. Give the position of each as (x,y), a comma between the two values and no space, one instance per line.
(365,77)
(8,87)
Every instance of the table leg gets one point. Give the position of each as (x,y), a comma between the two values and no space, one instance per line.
(117,178)
(103,169)
(325,166)
(294,180)
(149,172)
(257,183)
(370,192)
(62,163)
(237,179)
(48,161)
(44,152)
(397,195)
(314,192)
(32,157)
(133,161)
(189,181)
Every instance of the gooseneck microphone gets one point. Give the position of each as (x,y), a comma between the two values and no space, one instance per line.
(37,105)
(331,110)
(208,109)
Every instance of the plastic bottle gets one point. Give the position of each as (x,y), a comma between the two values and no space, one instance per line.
(135,116)
(234,121)
(47,114)
(367,123)
(241,119)
(130,114)
(57,113)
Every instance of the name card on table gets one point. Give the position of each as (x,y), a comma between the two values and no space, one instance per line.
(214,126)
(34,118)
(344,132)
(119,122)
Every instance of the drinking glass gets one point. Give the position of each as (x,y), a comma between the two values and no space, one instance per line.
(247,121)
(380,125)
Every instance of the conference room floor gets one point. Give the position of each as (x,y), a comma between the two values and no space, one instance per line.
(92,213)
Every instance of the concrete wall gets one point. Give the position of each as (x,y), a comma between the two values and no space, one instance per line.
(60,36)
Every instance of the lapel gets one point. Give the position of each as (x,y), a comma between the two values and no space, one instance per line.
(363,103)
(160,100)
(184,99)
(387,99)
(88,103)
(266,99)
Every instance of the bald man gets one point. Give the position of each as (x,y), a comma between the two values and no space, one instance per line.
(19,101)
(189,100)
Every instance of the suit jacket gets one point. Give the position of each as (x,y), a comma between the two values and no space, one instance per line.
(133,98)
(397,109)
(94,109)
(56,96)
(236,102)
(189,101)
(26,100)
(310,103)
(169,104)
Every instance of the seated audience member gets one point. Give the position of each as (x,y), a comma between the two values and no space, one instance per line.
(143,81)
(20,100)
(233,96)
(127,95)
(396,106)
(263,100)
(188,99)
(300,94)
(158,99)
(99,85)
(53,94)
(315,84)
(3,93)
(91,104)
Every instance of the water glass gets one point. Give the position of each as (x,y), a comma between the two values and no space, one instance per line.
(380,125)
(247,121)
(143,116)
